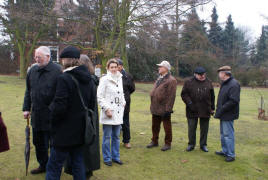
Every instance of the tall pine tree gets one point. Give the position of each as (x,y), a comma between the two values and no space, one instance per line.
(262,46)
(195,46)
(215,30)
(229,38)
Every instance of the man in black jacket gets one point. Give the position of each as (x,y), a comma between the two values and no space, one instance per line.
(40,90)
(129,88)
(198,95)
(227,111)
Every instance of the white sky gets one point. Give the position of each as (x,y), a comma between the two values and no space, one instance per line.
(245,13)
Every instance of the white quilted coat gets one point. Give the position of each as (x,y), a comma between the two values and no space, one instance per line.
(111,96)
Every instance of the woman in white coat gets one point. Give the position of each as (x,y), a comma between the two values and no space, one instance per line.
(112,102)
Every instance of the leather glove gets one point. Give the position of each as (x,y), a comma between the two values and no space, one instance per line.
(166,114)
(192,107)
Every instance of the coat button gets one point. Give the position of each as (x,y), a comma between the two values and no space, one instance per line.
(112,102)
(116,85)
(117,104)
(118,92)
(118,112)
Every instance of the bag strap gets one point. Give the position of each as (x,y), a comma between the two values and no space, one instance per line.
(79,92)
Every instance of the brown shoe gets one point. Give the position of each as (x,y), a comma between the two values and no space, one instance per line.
(127,145)
(165,147)
(38,170)
(152,144)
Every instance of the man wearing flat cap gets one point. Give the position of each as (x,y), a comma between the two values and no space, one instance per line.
(129,88)
(198,95)
(227,111)
(40,89)
(162,100)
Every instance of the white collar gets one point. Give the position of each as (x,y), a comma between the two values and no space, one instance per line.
(70,68)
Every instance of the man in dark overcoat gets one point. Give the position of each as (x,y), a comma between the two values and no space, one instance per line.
(198,95)
(227,111)
(129,88)
(40,90)
(162,100)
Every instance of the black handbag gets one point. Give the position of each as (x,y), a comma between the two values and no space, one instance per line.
(90,130)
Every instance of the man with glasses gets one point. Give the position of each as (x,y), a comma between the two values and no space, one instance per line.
(198,95)
(40,91)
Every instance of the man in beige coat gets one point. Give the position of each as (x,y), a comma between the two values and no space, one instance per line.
(162,100)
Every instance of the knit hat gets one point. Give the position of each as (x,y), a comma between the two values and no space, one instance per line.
(70,52)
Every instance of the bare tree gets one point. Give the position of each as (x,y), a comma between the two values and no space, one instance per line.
(26,22)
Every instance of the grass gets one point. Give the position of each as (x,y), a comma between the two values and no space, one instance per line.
(141,163)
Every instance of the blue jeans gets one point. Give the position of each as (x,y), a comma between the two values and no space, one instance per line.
(227,138)
(57,158)
(111,133)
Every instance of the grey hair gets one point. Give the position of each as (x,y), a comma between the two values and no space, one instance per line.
(45,50)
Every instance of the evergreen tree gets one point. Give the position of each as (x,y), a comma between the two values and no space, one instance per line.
(195,46)
(215,30)
(262,46)
(229,38)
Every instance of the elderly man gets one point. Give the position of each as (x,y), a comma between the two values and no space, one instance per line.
(40,90)
(227,111)
(198,95)
(129,88)
(162,100)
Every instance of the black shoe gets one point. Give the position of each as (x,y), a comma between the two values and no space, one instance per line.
(165,148)
(152,144)
(118,162)
(190,148)
(109,163)
(38,170)
(204,148)
(229,159)
(220,153)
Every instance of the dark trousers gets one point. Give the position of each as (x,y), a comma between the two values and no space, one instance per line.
(156,129)
(126,128)
(57,159)
(192,125)
(41,141)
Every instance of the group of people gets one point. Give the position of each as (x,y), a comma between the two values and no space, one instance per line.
(56,98)
(199,97)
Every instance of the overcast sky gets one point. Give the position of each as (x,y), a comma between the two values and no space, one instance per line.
(245,13)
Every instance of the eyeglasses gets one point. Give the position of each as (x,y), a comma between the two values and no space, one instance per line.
(38,57)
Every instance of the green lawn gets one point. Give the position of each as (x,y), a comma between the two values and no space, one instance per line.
(141,163)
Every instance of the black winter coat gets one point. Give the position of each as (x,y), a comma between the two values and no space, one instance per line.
(128,87)
(91,152)
(40,91)
(68,122)
(199,98)
(228,100)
